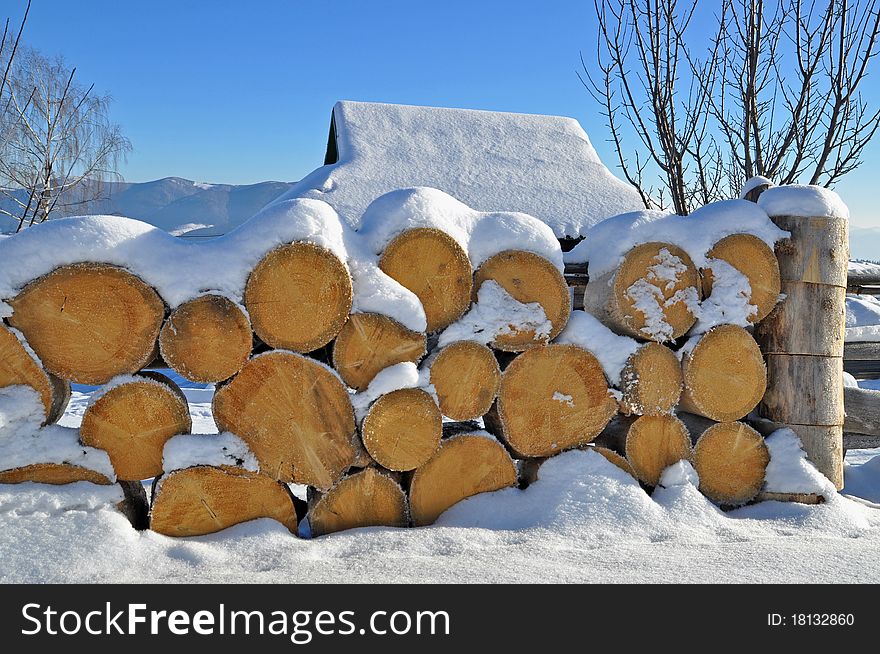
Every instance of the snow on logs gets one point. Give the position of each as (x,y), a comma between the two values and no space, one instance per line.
(19,367)
(367,498)
(753,258)
(89,322)
(294,413)
(207,339)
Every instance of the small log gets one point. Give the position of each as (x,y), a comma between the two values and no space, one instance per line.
(204,499)
(641,280)
(370,342)
(52,473)
(653,443)
(207,339)
(528,278)
(785,331)
(436,268)
(402,429)
(298,297)
(804,390)
(724,374)
(466,378)
(89,322)
(862,411)
(753,258)
(552,398)
(17,366)
(463,466)
(798,498)
(369,498)
(132,422)
(651,381)
(294,414)
(731,459)
(817,250)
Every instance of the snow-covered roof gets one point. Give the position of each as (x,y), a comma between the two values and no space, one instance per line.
(544,166)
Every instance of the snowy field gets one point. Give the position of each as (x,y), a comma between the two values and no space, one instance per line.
(584,520)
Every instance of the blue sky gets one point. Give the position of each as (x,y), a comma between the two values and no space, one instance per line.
(241,92)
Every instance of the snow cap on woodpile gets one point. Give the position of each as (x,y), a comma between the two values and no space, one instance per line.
(544,166)
(802,200)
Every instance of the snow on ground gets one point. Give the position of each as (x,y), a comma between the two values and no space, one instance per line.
(583,520)
(862,318)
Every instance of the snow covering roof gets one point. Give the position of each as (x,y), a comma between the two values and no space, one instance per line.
(544,166)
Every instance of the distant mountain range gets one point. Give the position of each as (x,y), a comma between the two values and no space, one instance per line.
(181,206)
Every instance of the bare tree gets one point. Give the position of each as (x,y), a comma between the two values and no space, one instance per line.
(59,146)
(775,91)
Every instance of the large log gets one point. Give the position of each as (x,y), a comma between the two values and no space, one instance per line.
(731,459)
(724,374)
(463,466)
(528,278)
(552,398)
(785,331)
(204,499)
(466,378)
(753,258)
(651,381)
(207,339)
(369,343)
(294,414)
(17,366)
(298,297)
(651,295)
(89,322)
(806,390)
(369,498)
(436,268)
(402,429)
(133,420)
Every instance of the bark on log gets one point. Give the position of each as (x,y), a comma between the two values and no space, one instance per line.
(654,443)
(436,268)
(466,378)
(724,374)
(651,381)
(89,322)
(528,278)
(402,429)
(462,467)
(369,498)
(753,258)
(17,366)
(552,398)
(785,331)
(641,280)
(298,297)
(370,342)
(731,459)
(204,499)
(208,339)
(804,390)
(132,422)
(294,414)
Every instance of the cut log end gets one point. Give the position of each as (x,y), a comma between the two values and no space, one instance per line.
(528,278)
(89,322)
(298,297)
(132,422)
(431,264)
(553,398)
(650,381)
(203,500)
(52,473)
(466,378)
(465,465)
(207,339)
(402,429)
(654,443)
(369,498)
(18,367)
(724,374)
(731,459)
(756,260)
(294,414)
(370,342)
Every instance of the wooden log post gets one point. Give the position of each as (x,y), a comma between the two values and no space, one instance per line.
(803,336)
